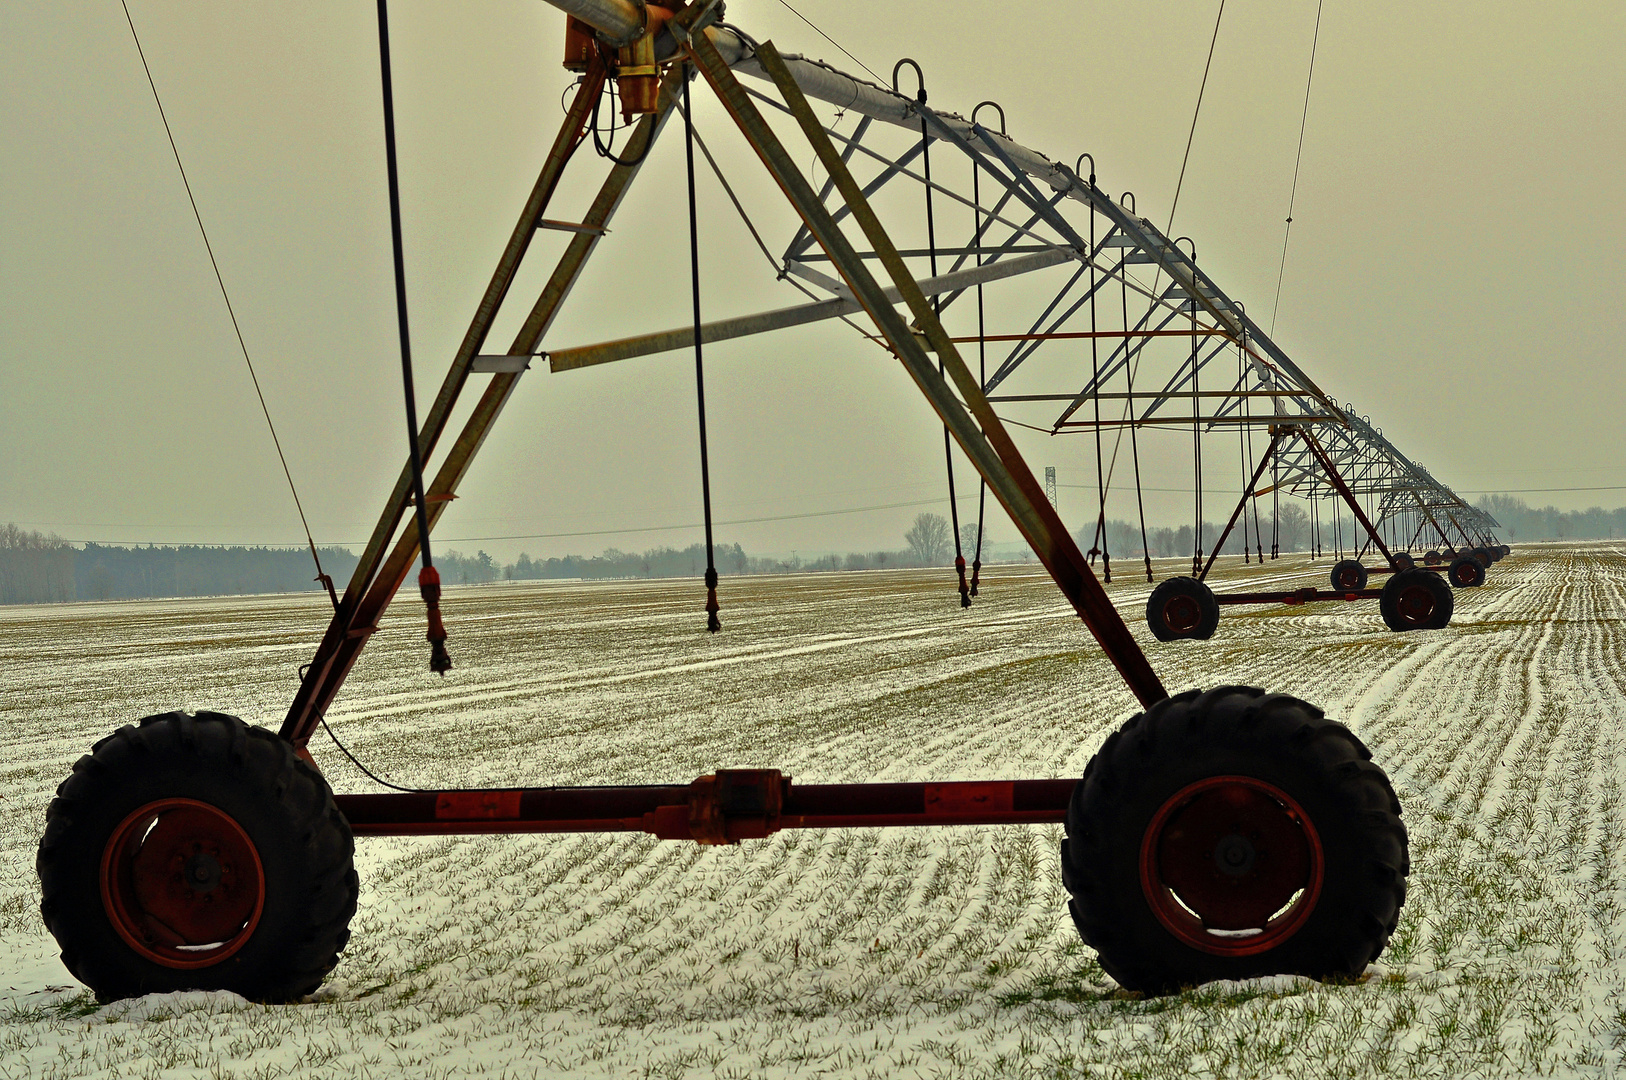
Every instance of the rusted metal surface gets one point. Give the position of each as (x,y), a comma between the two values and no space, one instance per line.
(724,807)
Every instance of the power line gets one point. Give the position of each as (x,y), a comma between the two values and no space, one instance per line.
(1276,304)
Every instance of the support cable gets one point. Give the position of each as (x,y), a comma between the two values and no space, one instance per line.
(1196,437)
(1100,546)
(1297,159)
(1134,440)
(321,576)
(1275,509)
(713,624)
(1245,457)
(440,661)
(982,336)
(937,307)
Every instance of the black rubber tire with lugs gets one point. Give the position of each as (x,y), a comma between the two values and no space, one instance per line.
(282,803)
(1234,730)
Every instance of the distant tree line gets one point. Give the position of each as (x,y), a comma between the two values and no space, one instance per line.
(42,568)
(1521,521)
(35,568)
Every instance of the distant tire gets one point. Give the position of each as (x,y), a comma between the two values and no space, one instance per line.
(1484,557)
(1433,558)
(1182,607)
(1233,834)
(1403,562)
(1466,572)
(1506,551)
(1348,576)
(1416,600)
(195,852)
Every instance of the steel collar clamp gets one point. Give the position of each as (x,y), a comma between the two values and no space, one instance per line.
(694,19)
(643,28)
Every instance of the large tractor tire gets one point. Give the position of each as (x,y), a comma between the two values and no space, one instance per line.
(1182,607)
(1233,834)
(1348,576)
(1416,600)
(194,852)
(1466,572)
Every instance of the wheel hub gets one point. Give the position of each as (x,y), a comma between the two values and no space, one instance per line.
(1234,855)
(1231,865)
(182,883)
(1415,605)
(203,872)
(1182,614)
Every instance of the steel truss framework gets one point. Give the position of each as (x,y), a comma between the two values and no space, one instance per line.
(1111,296)
(1026,215)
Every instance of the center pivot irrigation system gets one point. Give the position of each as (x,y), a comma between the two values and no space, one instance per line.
(1219,834)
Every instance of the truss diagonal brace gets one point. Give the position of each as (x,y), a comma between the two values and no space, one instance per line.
(358,617)
(1337,481)
(989,448)
(1241,504)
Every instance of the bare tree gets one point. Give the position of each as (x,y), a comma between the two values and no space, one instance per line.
(1295,527)
(968,539)
(929,539)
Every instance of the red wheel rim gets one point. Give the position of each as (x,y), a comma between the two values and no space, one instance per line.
(1463,574)
(1231,865)
(1415,604)
(1181,614)
(1348,578)
(182,883)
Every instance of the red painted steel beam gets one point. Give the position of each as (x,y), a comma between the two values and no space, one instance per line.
(706,810)
(1298,596)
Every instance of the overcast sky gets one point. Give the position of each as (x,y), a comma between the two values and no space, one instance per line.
(1455,266)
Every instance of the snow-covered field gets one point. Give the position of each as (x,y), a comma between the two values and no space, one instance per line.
(934,953)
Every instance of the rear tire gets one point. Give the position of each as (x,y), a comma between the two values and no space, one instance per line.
(1466,572)
(1182,607)
(1348,576)
(1210,815)
(1416,600)
(196,853)
(1432,559)
(1403,562)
